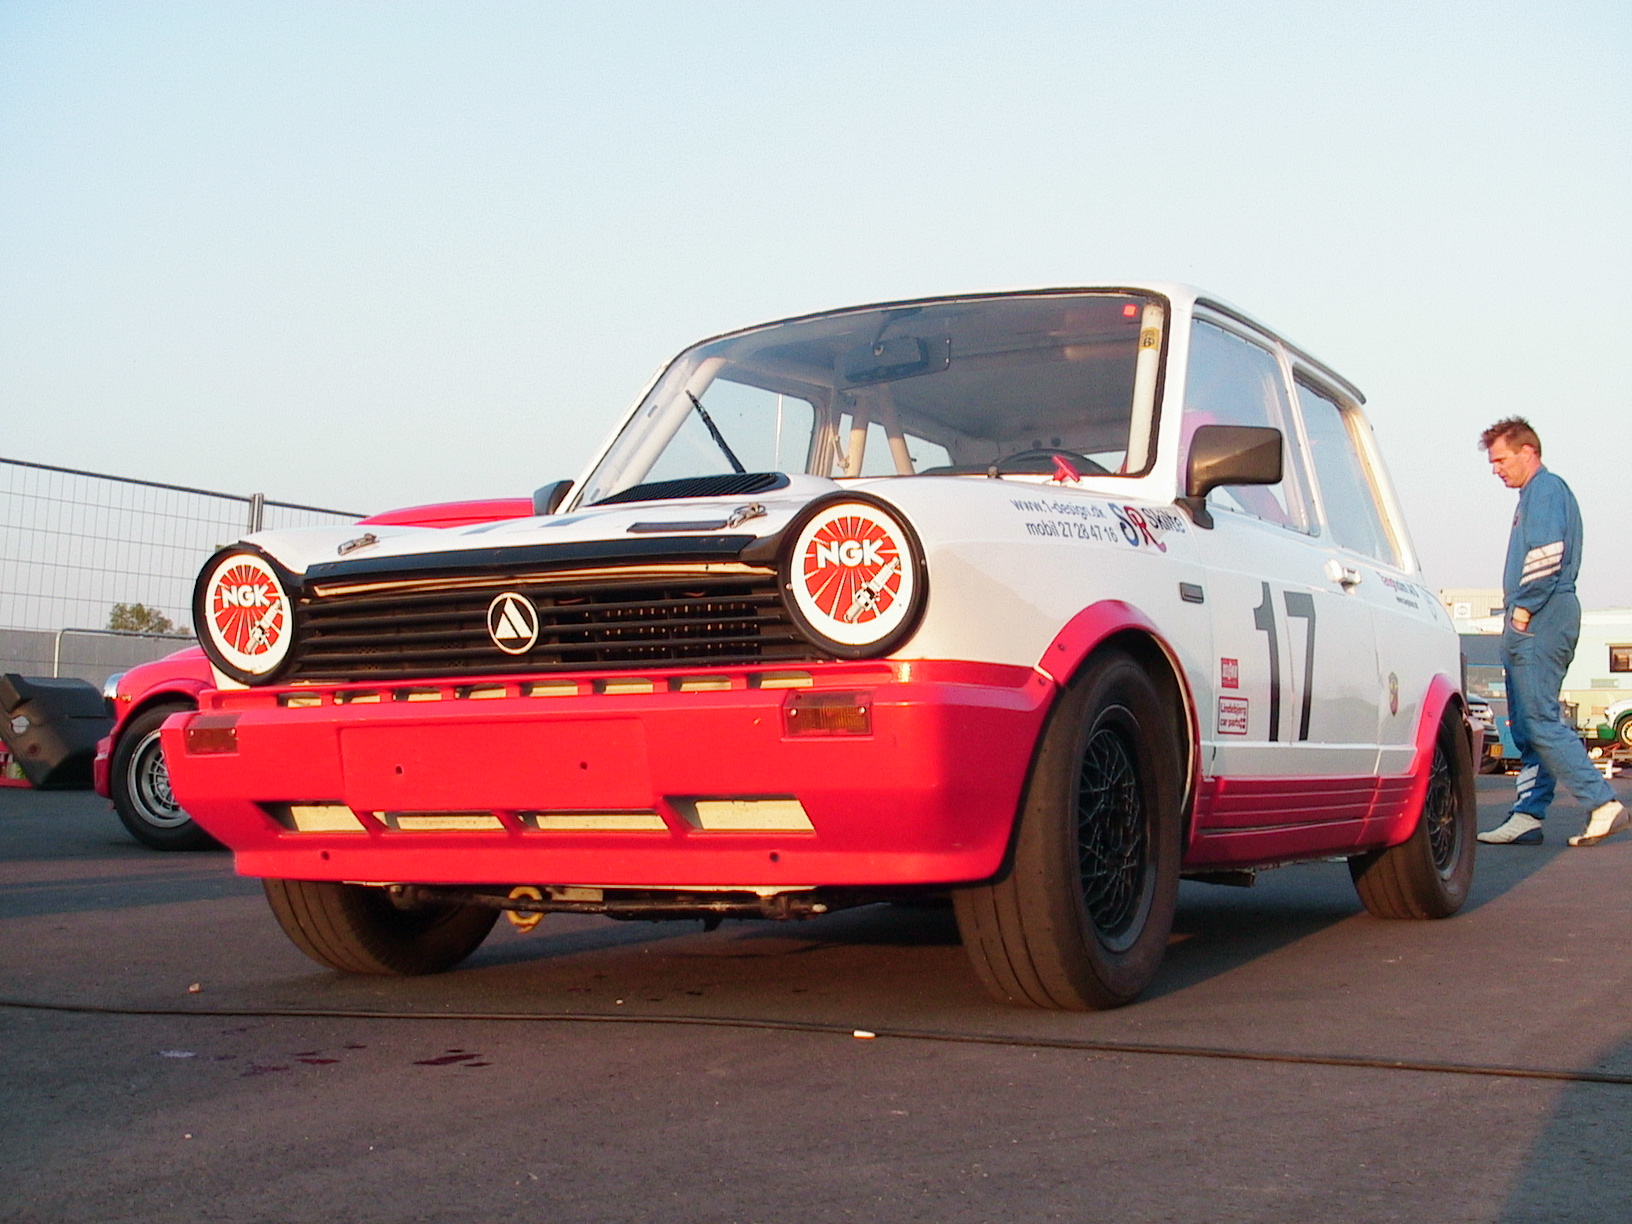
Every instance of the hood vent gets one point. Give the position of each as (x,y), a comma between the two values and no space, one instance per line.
(732,484)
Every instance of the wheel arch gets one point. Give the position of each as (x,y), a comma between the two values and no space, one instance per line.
(188,693)
(1113,624)
(1443,696)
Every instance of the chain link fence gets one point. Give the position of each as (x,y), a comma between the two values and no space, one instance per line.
(73,544)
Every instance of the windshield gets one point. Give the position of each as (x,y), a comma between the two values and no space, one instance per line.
(946,387)
(1487,682)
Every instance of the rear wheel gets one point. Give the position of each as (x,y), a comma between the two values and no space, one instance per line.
(361,929)
(139,785)
(1428,875)
(1623,730)
(1081,917)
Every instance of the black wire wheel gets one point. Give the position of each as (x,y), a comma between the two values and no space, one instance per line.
(1081,914)
(1439,814)
(359,928)
(1113,843)
(139,785)
(1429,874)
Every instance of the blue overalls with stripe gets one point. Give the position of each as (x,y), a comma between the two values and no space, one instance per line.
(1543,559)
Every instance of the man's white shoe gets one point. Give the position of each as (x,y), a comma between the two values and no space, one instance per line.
(1606,820)
(1519,830)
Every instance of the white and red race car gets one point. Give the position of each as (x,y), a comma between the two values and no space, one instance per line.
(1043,600)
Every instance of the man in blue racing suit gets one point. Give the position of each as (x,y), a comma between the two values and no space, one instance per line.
(1540,626)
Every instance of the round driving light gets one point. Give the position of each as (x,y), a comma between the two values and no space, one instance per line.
(854,577)
(243,613)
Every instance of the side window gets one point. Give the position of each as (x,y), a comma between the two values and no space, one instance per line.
(1346,488)
(1232,381)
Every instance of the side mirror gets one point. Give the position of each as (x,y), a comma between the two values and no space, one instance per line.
(1229,455)
(548,499)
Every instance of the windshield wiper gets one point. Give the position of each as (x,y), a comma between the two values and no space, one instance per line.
(714,432)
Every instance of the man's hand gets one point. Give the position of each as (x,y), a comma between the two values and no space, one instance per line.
(1521,619)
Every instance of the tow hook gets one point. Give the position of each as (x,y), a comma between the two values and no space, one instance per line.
(525,920)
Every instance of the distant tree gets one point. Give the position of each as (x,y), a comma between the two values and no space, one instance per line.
(139,618)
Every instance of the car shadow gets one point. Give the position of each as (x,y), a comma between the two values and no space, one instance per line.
(1578,1172)
(1503,868)
(1217,929)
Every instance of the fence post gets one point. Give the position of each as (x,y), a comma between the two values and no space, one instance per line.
(257,511)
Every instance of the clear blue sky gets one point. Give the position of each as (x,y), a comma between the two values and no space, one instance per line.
(372,254)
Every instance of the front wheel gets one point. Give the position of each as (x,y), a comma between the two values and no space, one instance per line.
(1623,730)
(139,785)
(1428,875)
(359,928)
(1081,916)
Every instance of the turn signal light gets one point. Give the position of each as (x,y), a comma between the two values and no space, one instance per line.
(828,714)
(211,734)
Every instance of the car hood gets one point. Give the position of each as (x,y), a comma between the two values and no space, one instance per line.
(938,507)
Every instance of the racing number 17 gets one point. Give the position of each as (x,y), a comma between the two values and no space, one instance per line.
(1299,604)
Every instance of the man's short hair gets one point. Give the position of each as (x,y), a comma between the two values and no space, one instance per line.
(1515,431)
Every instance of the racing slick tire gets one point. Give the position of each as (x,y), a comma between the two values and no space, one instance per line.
(1080,917)
(139,785)
(1428,875)
(360,929)
(1623,731)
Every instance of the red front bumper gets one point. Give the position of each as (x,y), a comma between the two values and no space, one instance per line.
(928,797)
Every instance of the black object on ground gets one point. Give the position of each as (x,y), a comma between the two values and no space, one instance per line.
(51,728)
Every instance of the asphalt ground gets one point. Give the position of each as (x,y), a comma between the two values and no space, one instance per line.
(179,1059)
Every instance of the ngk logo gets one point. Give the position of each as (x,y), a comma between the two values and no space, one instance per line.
(246,596)
(249,614)
(849,553)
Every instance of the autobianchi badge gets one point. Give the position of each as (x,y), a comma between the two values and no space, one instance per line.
(512,623)
(853,575)
(248,613)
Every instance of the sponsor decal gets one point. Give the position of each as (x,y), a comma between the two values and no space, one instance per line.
(247,613)
(512,623)
(1229,673)
(1406,593)
(852,574)
(1145,527)
(1393,693)
(1232,715)
(1099,523)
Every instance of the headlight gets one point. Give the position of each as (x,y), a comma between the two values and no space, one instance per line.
(854,576)
(246,622)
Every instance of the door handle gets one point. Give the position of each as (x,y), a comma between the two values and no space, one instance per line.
(1345,576)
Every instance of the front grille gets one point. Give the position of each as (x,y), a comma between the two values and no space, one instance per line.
(439,629)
